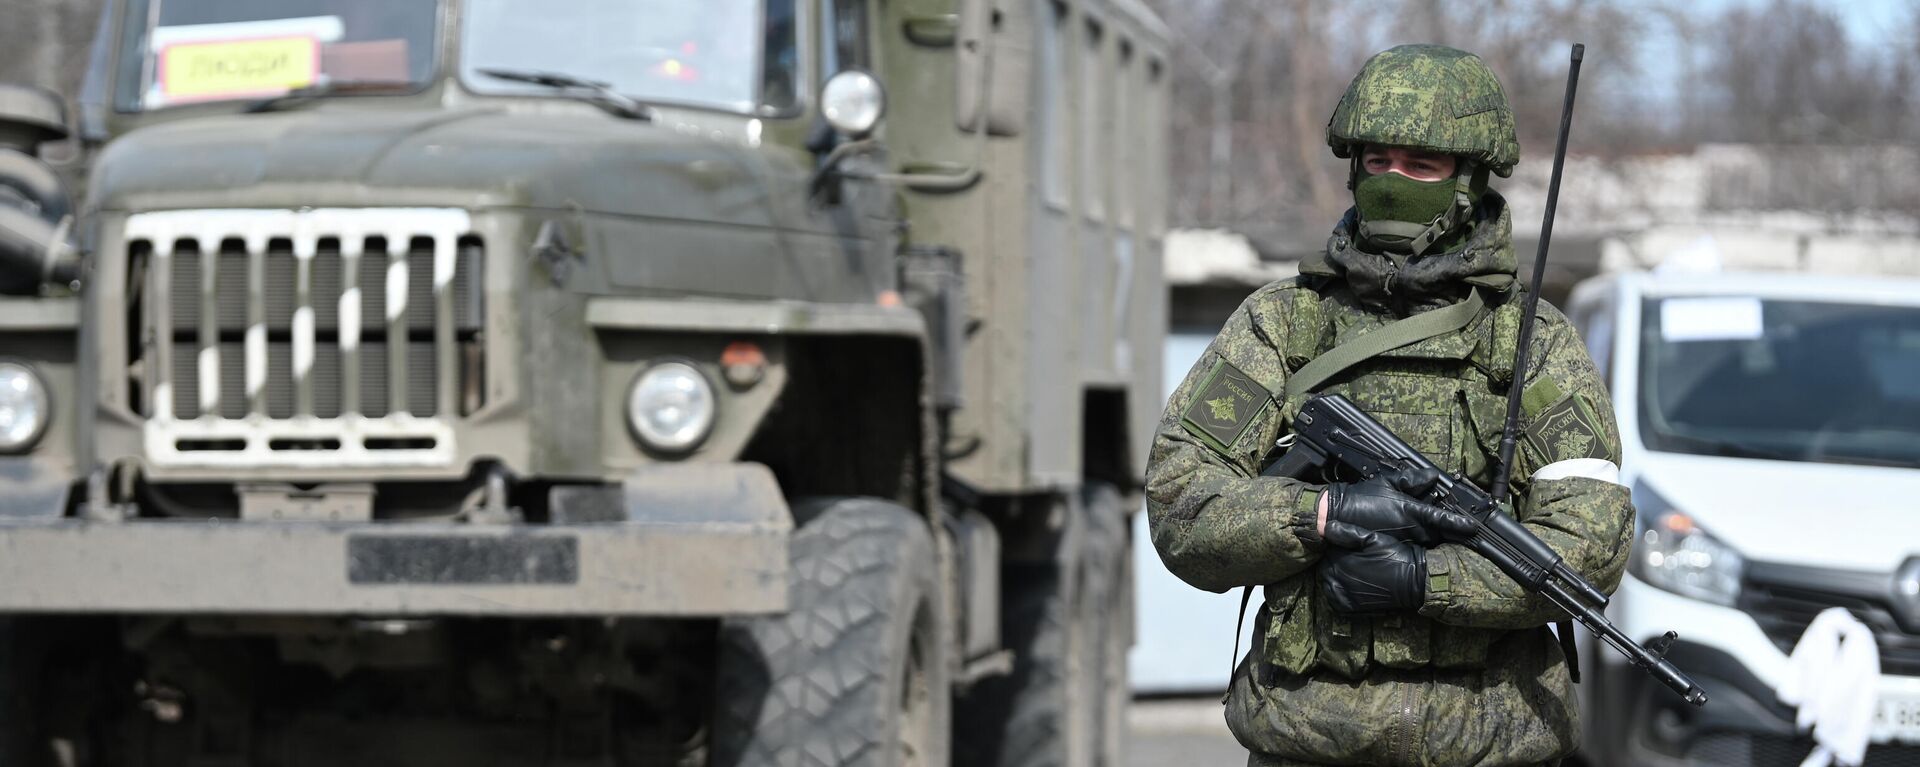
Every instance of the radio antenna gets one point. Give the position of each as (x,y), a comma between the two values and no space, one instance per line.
(1508,439)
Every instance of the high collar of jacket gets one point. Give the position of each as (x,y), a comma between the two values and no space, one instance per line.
(1406,285)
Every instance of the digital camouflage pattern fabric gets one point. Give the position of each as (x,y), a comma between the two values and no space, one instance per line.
(1232,401)
(1418,716)
(1428,97)
(1415,688)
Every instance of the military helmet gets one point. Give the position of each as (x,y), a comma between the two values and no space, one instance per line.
(1427,97)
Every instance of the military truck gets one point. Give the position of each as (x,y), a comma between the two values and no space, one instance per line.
(644,382)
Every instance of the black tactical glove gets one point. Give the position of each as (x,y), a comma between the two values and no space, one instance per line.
(1370,572)
(1389,503)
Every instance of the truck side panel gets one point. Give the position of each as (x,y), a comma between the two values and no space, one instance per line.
(1059,242)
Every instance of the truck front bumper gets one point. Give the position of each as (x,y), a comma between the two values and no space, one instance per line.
(673,541)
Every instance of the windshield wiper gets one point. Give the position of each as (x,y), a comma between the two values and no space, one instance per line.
(595,92)
(308,93)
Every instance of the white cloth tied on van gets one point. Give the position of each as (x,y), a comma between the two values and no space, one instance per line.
(1833,677)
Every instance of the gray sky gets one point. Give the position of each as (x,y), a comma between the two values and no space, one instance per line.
(1870,22)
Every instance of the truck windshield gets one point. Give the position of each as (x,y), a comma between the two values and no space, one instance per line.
(1786,380)
(187,51)
(734,55)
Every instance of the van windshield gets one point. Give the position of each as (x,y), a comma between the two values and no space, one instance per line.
(1786,380)
(187,51)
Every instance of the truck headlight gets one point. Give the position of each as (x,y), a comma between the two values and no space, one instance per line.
(671,407)
(25,407)
(1674,554)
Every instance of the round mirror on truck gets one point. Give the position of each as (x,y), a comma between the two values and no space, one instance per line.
(853,103)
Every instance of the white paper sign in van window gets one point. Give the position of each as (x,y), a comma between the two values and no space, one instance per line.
(1730,318)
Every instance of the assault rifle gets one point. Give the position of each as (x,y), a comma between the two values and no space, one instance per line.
(1331,433)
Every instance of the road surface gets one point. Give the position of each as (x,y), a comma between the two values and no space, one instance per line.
(1187,732)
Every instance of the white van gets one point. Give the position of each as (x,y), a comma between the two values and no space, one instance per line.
(1771,437)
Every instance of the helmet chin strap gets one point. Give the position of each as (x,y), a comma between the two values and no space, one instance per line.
(1414,238)
(1403,236)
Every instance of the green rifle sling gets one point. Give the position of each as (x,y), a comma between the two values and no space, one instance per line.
(1410,330)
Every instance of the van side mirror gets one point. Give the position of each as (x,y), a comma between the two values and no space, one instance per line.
(992,61)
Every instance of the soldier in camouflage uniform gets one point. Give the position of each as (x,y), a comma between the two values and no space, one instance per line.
(1377,643)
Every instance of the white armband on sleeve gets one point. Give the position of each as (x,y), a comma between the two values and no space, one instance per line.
(1591,468)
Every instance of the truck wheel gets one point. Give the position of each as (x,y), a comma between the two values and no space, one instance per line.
(22,737)
(855,672)
(1068,624)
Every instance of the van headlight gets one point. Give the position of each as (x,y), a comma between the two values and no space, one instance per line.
(1674,554)
(25,407)
(671,407)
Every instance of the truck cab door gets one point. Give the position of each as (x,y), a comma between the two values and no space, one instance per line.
(852,206)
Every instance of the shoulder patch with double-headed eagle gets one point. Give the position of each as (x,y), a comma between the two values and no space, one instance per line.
(1563,426)
(1225,404)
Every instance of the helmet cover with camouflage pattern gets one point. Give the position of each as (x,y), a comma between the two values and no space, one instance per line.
(1427,97)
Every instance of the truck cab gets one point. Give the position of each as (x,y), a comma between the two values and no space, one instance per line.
(526,382)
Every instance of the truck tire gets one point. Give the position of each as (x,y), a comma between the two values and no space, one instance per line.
(23,740)
(856,671)
(1069,624)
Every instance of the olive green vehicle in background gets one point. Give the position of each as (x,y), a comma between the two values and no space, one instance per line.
(589,383)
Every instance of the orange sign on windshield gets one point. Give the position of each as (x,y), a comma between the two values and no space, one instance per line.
(235,68)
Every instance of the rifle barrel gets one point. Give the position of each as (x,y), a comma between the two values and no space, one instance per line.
(1661,668)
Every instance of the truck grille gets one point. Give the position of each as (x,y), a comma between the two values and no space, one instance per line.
(1783,599)
(330,337)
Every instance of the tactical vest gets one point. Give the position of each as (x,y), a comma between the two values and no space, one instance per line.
(1446,396)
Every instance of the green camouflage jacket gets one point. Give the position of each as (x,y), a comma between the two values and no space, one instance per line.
(1473,677)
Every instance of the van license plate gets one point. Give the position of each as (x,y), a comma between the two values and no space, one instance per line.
(1897,718)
